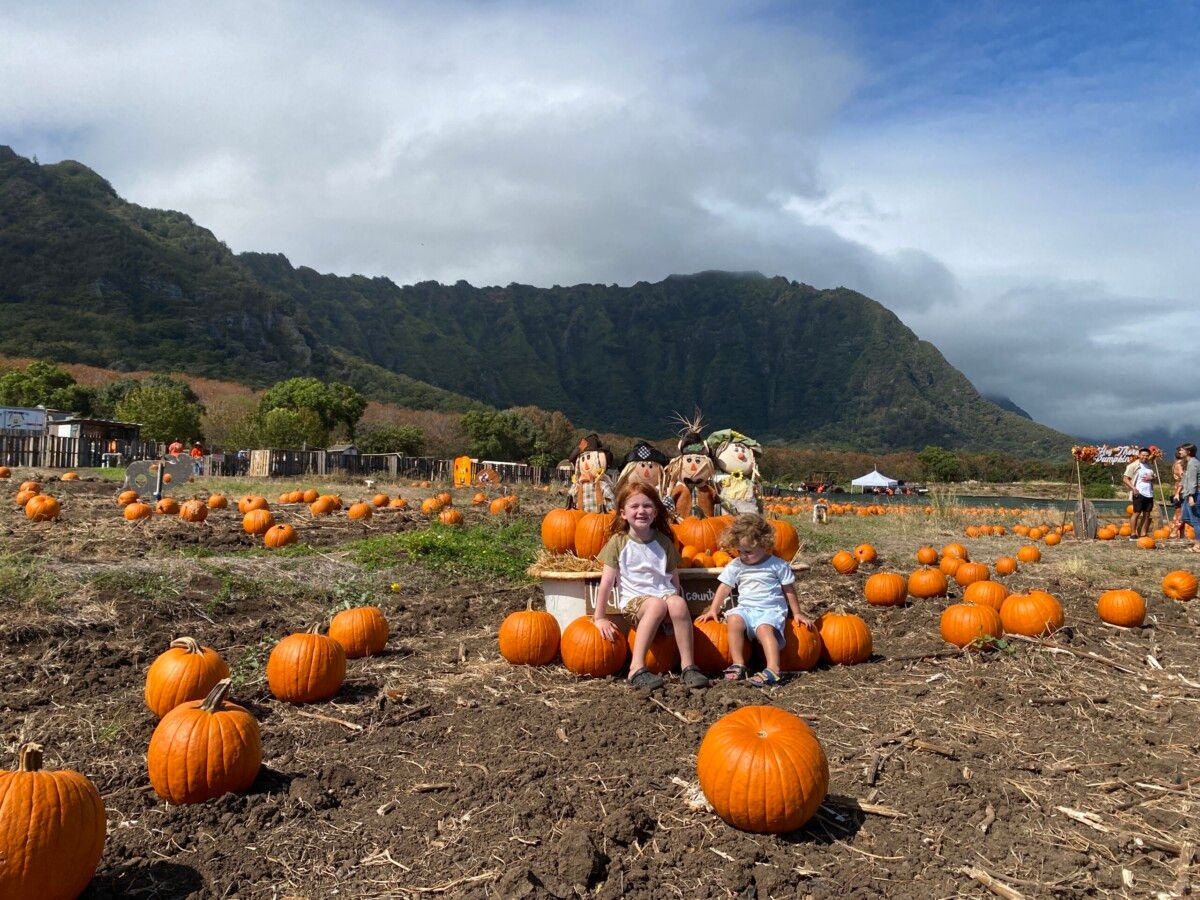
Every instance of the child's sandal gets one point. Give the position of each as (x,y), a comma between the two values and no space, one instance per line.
(646,680)
(735,672)
(765,678)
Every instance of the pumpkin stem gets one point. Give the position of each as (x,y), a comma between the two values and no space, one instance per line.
(217,695)
(30,758)
(191,645)
(316,628)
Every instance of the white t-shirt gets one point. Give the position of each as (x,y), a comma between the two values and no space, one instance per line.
(645,567)
(759,585)
(1143,480)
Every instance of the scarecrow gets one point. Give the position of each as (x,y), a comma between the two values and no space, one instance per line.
(737,479)
(689,476)
(643,465)
(591,489)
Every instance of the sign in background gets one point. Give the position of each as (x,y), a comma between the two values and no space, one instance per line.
(17,420)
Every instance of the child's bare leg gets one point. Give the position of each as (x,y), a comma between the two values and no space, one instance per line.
(681,620)
(735,627)
(653,612)
(770,644)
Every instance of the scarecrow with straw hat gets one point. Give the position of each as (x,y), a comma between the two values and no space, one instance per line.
(591,489)
(737,478)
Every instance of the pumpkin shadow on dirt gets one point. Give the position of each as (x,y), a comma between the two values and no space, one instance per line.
(828,826)
(165,880)
(270,781)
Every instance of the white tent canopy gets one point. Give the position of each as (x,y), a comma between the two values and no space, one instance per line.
(874,479)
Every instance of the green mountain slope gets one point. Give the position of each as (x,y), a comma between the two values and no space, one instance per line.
(87,277)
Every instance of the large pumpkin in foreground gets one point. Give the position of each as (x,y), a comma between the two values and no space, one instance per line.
(585,651)
(204,749)
(529,637)
(762,770)
(52,833)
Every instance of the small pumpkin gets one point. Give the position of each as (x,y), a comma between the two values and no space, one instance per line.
(865,553)
(126,497)
(986,593)
(69,476)
(359,512)
(42,508)
(1122,607)
(306,667)
(886,589)
(322,506)
(928,582)
(5,472)
(1004,565)
(380,500)
(450,516)
(257,521)
(1033,615)
(964,624)
(710,644)
(702,533)
(844,562)
(969,572)
(586,652)
(252,502)
(1053,539)
(184,671)
(195,511)
(479,499)
(204,749)
(310,495)
(1179,585)
(398,503)
(431,505)
(135,512)
(529,637)
(167,506)
(1029,554)
(845,639)
(218,501)
(801,647)
(927,556)
(23,497)
(957,550)
(278,536)
(34,487)
(762,770)
(362,631)
(54,830)
(949,565)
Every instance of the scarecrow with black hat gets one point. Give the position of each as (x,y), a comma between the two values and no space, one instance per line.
(689,475)
(591,489)
(643,465)
(737,478)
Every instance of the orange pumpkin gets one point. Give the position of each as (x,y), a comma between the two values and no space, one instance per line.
(1179,585)
(1029,554)
(359,512)
(986,593)
(844,562)
(167,506)
(218,501)
(203,749)
(964,624)
(970,572)
(957,550)
(927,556)
(257,521)
(251,502)
(195,511)
(949,565)
(928,582)
(126,497)
(380,500)
(362,631)
(762,770)
(529,638)
(801,647)
(1004,565)
(450,516)
(306,667)
(845,639)
(135,512)
(787,541)
(278,536)
(479,499)
(431,505)
(5,472)
(586,652)
(710,643)
(322,506)
(398,503)
(592,532)
(1123,607)
(1033,615)
(865,553)
(663,653)
(1053,539)
(703,534)
(310,496)
(42,508)
(184,671)
(33,487)
(54,830)
(886,589)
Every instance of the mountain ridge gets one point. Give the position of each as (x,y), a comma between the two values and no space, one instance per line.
(87,277)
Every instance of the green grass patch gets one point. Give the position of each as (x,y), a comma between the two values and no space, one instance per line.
(113,474)
(144,585)
(24,581)
(506,550)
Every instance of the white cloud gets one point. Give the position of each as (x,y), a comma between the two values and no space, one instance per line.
(563,143)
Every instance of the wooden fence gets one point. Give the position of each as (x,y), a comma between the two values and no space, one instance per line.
(48,451)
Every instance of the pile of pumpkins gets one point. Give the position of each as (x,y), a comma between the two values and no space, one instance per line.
(38,507)
(701,541)
(203,747)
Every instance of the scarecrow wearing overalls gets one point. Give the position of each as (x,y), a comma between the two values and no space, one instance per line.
(689,475)
(643,465)
(591,489)
(737,478)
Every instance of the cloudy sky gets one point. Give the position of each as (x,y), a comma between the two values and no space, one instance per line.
(1017,181)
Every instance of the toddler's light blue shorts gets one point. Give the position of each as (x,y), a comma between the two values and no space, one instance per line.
(754,616)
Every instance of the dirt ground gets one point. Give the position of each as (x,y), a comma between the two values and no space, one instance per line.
(1062,770)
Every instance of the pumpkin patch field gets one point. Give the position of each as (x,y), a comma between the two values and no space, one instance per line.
(983,730)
